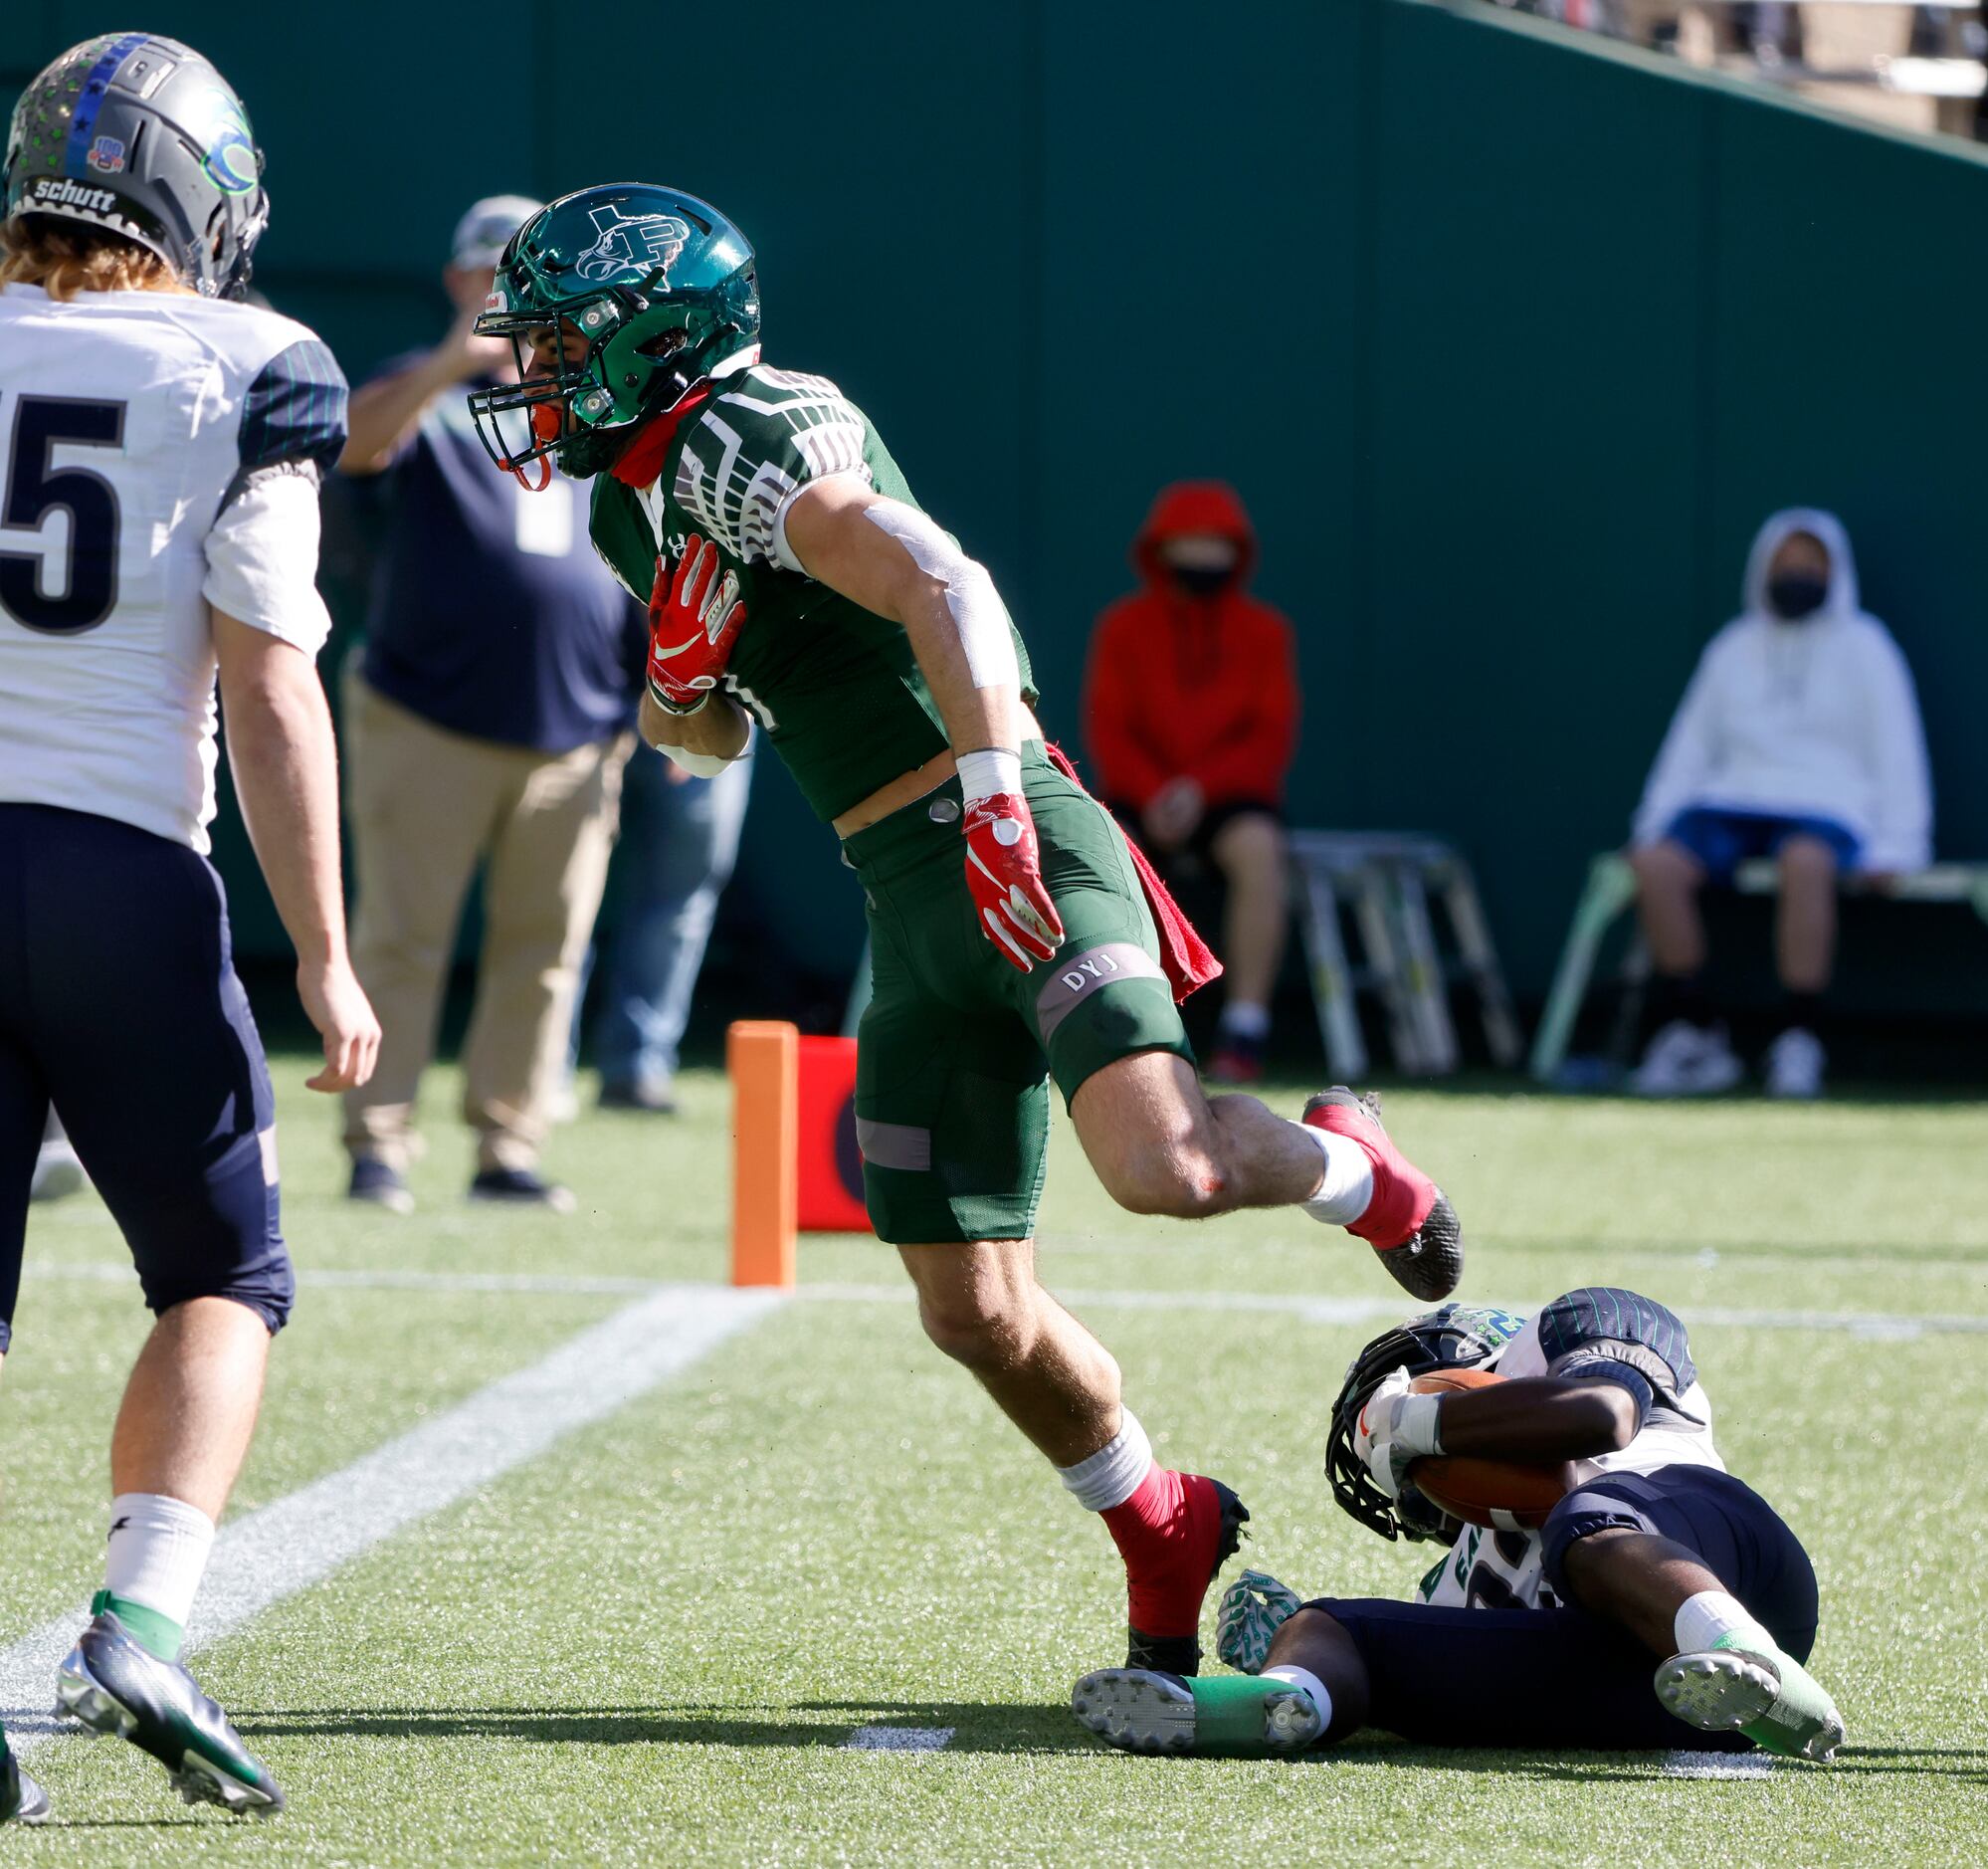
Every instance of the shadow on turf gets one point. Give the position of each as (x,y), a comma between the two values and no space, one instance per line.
(977,1727)
(1583,1768)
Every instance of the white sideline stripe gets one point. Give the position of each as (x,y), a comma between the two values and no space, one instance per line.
(386,1278)
(301,1538)
(1874,1326)
(1718,1764)
(925,1740)
(1882,1327)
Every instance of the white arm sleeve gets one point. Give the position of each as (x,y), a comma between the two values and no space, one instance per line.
(978,613)
(262,558)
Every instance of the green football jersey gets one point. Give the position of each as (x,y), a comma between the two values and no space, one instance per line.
(834,686)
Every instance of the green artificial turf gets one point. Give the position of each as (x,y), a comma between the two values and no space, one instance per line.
(651,1644)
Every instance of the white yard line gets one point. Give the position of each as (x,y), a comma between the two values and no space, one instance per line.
(1718,1764)
(1878,1325)
(919,1739)
(303,1538)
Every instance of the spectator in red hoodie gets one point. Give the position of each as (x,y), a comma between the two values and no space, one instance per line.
(1190,711)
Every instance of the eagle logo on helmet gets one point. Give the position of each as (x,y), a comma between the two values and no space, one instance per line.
(629,242)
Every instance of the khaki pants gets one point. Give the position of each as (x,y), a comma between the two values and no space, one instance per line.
(425,805)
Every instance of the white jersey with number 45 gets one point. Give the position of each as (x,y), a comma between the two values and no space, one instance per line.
(160,453)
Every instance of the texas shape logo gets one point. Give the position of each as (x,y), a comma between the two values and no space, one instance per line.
(629,242)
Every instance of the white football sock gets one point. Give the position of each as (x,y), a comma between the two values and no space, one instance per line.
(1703,1619)
(1246,1019)
(1309,1682)
(157,1552)
(1347,1190)
(1115,1470)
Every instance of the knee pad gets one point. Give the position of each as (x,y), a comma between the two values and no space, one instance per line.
(1600,1506)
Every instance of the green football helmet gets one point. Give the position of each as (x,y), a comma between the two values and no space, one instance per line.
(661,287)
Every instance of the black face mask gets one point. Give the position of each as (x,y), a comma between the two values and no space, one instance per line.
(1792,595)
(1202,580)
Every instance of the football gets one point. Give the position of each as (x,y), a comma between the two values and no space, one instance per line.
(1500,1495)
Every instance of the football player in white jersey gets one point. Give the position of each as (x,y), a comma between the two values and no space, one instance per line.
(160,449)
(1536,1639)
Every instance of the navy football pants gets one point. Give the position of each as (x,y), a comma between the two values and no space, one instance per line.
(1561,1679)
(118,1002)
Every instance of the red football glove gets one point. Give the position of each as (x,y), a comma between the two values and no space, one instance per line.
(1003,873)
(692,627)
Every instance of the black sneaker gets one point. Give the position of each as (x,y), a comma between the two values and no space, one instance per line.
(383,1186)
(521,1188)
(22,1800)
(116,1686)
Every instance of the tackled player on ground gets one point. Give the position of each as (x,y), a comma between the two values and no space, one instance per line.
(797,590)
(1541,1637)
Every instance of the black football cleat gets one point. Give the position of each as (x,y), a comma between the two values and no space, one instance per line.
(1181,1654)
(1409,1222)
(22,1800)
(116,1686)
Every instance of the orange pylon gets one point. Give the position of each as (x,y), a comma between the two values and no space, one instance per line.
(763,1057)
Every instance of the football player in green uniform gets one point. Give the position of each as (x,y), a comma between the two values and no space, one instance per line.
(797,590)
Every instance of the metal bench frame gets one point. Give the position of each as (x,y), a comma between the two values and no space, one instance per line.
(1388,880)
(1611,889)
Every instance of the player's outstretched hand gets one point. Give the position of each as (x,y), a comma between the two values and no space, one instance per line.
(693,624)
(1004,872)
(338,1005)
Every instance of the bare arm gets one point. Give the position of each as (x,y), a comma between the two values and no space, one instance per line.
(831,533)
(286,766)
(383,410)
(719,730)
(1540,1417)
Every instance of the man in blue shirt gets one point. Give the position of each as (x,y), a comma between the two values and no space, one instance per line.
(487,723)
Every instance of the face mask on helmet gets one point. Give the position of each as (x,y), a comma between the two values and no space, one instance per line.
(1456,1337)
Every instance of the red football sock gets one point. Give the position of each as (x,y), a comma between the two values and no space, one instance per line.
(1167,1532)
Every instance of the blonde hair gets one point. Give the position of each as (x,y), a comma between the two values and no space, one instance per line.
(38,250)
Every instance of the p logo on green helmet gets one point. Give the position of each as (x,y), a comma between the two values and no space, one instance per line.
(618,300)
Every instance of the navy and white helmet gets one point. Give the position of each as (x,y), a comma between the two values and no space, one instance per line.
(1453,1337)
(141,137)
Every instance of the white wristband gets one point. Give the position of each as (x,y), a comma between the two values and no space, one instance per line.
(982,774)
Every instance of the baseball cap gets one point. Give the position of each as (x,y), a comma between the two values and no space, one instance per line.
(481,234)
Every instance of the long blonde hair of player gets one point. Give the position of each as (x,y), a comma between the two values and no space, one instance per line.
(64,261)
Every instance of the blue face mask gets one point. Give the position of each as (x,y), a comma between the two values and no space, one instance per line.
(1792,595)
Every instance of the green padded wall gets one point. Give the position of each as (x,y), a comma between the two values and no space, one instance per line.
(1509,337)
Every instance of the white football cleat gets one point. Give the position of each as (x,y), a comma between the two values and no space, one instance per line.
(1686,1060)
(1795,1065)
(1770,1697)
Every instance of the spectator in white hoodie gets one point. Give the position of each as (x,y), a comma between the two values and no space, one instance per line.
(1798,738)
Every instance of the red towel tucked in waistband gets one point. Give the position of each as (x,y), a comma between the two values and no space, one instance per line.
(1184,956)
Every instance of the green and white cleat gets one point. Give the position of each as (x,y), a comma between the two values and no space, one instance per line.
(1252,1610)
(1140,1711)
(113,1686)
(1764,1694)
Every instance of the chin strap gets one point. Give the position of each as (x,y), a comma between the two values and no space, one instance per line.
(538,486)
